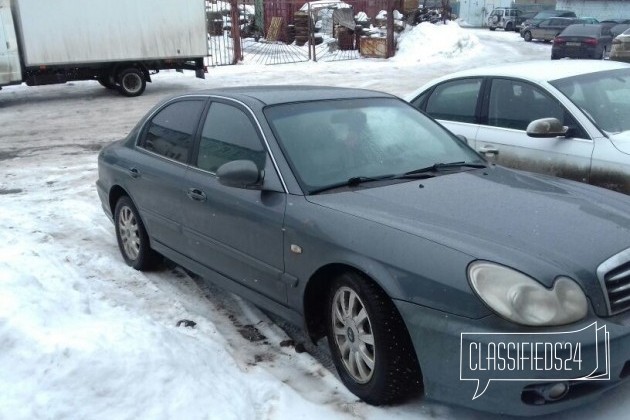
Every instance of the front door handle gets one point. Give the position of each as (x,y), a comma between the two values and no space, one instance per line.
(489,150)
(196,194)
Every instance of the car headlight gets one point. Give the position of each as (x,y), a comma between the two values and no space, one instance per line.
(521,299)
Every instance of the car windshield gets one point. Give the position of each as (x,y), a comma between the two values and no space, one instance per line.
(603,95)
(332,142)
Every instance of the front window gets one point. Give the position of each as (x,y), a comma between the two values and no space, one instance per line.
(604,96)
(514,104)
(228,134)
(330,141)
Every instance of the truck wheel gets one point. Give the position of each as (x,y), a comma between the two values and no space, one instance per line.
(369,343)
(508,27)
(131,82)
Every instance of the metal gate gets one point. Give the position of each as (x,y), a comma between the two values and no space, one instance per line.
(221,38)
(290,31)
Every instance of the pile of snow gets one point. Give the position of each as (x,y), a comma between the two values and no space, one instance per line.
(383,15)
(430,42)
(324,4)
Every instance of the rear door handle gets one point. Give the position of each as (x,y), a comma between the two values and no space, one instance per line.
(196,194)
(489,150)
(134,173)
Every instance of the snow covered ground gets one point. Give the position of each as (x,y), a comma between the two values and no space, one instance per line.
(83,336)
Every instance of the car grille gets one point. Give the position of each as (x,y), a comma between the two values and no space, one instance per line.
(614,274)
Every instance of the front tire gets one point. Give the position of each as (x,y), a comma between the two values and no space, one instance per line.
(369,342)
(131,82)
(133,240)
(509,27)
(527,36)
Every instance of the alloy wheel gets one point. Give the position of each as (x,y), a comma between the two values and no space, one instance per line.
(129,232)
(352,330)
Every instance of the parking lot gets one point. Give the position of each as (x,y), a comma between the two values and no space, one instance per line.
(54,233)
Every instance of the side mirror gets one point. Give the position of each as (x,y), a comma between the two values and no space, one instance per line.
(546,127)
(462,138)
(240,174)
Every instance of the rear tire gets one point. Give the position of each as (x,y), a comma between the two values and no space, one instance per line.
(133,240)
(369,342)
(491,28)
(131,82)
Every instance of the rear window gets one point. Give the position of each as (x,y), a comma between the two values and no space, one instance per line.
(582,30)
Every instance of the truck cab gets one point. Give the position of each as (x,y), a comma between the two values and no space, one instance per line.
(10,69)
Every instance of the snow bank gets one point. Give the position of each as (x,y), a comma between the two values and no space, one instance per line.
(432,42)
(83,336)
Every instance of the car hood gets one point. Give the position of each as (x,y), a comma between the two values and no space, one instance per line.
(515,218)
(621,141)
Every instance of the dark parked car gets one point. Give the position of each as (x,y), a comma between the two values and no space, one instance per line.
(526,18)
(582,41)
(618,29)
(548,14)
(615,21)
(361,218)
(547,29)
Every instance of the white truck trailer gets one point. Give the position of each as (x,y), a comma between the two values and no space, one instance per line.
(118,43)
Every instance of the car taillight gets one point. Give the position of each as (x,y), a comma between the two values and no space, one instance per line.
(590,41)
(616,42)
(558,41)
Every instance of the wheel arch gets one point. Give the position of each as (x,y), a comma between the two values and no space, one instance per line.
(318,286)
(138,65)
(115,192)
(316,297)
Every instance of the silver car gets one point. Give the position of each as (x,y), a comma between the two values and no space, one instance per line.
(547,29)
(621,47)
(567,118)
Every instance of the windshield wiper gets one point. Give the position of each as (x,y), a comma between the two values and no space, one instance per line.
(421,173)
(353,182)
(437,167)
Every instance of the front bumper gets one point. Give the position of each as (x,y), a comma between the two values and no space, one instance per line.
(438,342)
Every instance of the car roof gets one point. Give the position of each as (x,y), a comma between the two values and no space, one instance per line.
(273,95)
(562,18)
(535,71)
(543,70)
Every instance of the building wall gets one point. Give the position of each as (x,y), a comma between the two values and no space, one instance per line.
(600,9)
